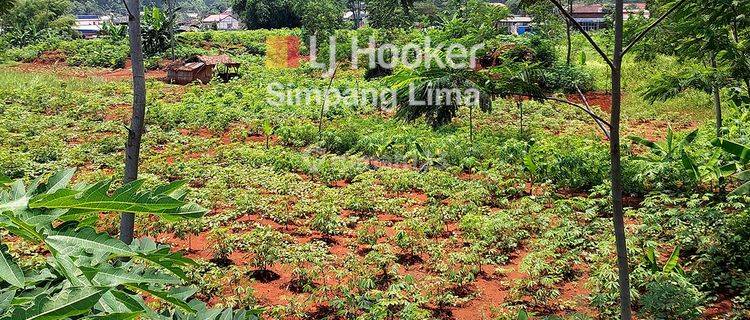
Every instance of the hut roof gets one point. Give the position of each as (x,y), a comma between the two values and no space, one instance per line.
(220,59)
(192,66)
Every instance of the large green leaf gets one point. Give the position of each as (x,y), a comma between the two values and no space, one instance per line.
(689,165)
(87,239)
(161,256)
(9,271)
(127,198)
(59,180)
(110,276)
(743,189)
(741,151)
(655,148)
(4,179)
(116,316)
(15,200)
(672,262)
(163,295)
(95,198)
(6,298)
(64,305)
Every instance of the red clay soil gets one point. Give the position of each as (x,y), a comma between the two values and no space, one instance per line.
(492,291)
(118,112)
(601,99)
(718,310)
(655,130)
(62,70)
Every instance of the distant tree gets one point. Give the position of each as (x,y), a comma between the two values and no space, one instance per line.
(157,28)
(269,14)
(714,32)
(320,17)
(29,21)
(387,14)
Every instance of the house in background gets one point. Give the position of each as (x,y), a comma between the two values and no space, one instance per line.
(595,16)
(90,25)
(516,25)
(221,21)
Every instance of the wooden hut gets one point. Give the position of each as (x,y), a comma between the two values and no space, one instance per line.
(202,68)
(189,72)
(221,65)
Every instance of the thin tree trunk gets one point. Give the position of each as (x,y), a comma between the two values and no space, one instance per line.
(325,100)
(471,125)
(567,23)
(520,109)
(715,92)
(616,170)
(133,145)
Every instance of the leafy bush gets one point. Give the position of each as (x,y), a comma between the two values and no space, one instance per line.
(297,134)
(95,53)
(672,298)
(567,77)
(340,140)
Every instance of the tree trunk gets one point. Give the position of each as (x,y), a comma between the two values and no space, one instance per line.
(616,170)
(716,93)
(133,145)
(569,41)
(471,125)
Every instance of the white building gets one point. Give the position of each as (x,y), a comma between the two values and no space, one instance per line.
(516,24)
(222,21)
(90,25)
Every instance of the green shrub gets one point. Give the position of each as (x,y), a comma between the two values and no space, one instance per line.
(297,134)
(95,53)
(673,298)
(566,77)
(341,140)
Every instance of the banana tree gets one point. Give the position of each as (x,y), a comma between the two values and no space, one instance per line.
(90,274)
(671,150)
(741,158)
(437,93)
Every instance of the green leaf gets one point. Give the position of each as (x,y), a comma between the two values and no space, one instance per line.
(4,179)
(690,137)
(741,151)
(672,262)
(87,239)
(522,315)
(9,270)
(116,316)
(744,175)
(529,164)
(689,165)
(109,276)
(267,127)
(59,180)
(743,189)
(650,144)
(651,259)
(6,298)
(125,199)
(133,303)
(62,306)
(165,296)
